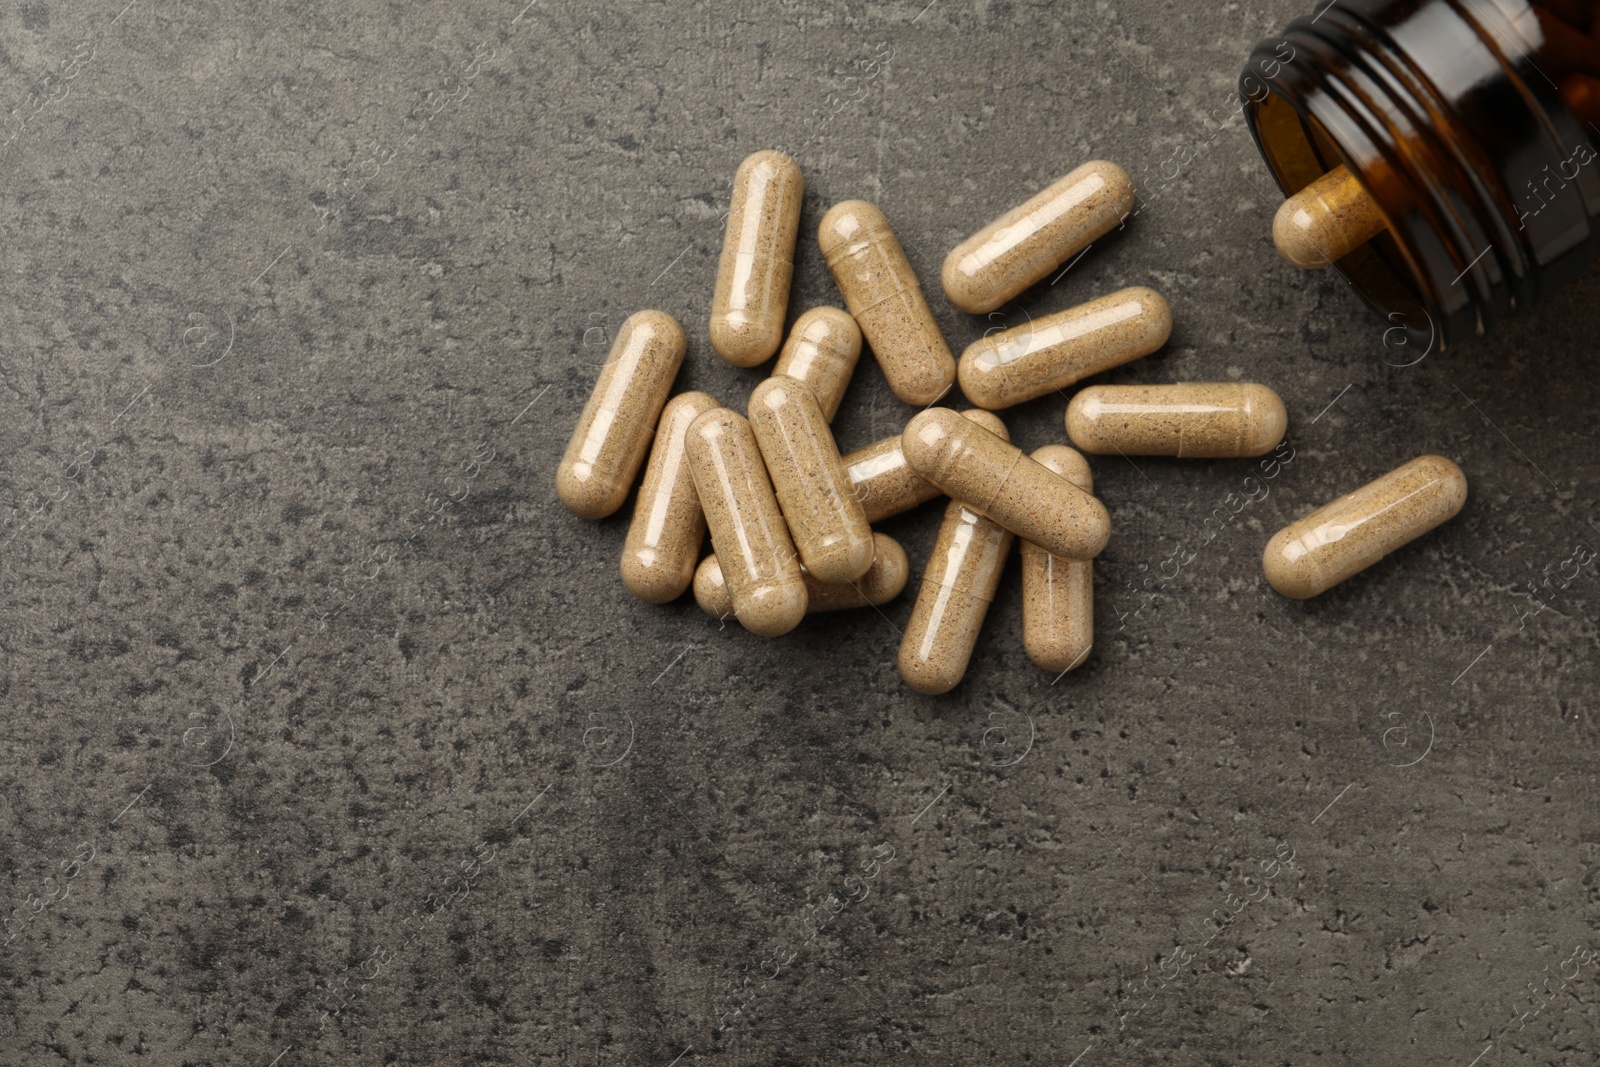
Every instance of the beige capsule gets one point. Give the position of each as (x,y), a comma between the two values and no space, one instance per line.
(668,526)
(1058,594)
(1189,420)
(957,587)
(1352,533)
(751,296)
(1025,244)
(613,433)
(884,581)
(872,272)
(1027,498)
(822,351)
(883,481)
(1051,353)
(747,530)
(1326,221)
(825,518)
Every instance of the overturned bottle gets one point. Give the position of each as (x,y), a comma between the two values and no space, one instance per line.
(1439,154)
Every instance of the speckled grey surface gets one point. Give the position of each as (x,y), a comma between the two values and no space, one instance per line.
(331,738)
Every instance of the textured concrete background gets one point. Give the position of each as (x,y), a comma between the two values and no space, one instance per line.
(331,738)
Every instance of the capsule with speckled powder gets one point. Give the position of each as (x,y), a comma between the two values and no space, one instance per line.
(957,588)
(1326,221)
(1025,244)
(1058,594)
(1189,420)
(668,527)
(884,581)
(822,351)
(995,477)
(747,529)
(1344,537)
(613,433)
(882,293)
(883,481)
(751,296)
(1050,353)
(825,519)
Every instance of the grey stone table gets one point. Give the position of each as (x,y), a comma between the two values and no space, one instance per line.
(330,738)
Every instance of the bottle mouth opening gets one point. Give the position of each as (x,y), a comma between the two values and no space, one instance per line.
(1383,272)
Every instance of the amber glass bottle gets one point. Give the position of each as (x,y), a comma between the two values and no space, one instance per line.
(1473,125)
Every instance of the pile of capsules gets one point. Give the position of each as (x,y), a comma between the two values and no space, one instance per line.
(791,519)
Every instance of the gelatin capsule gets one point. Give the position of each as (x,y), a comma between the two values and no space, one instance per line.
(668,526)
(751,296)
(883,481)
(995,477)
(613,433)
(1190,420)
(1051,353)
(882,293)
(884,581)
(1581,92)
(957,587)
(1326,221)
(1025,244)
(1352,533)
(747,529)
(825,518)
(822,351)
(1058,594)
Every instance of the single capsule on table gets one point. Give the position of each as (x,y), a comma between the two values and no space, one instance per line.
(1025,244)
(751,296)
(884,581)
(872,272)
(825,519)
(1326,221)
(1190,420)
(1047,354)
(1058,594)
(668,526)
(822,351)
(1352,533)
(747,530)
(995,477)
(957,588)
(617,423)
(885,483)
